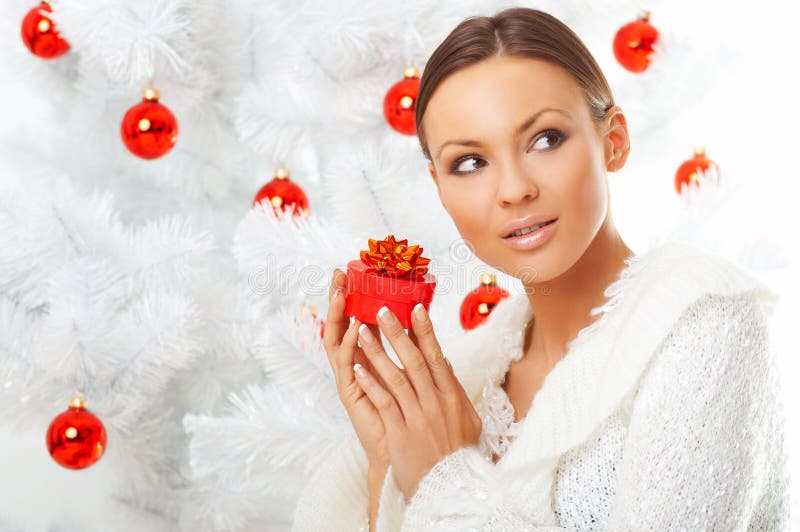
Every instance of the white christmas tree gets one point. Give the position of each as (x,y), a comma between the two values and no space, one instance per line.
(184,315)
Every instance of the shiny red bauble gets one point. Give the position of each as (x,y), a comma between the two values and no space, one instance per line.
(400,103)
(633,44)
(76,438)
(696,170)
(478,304)
(40,35)
(149,129)
(283,193)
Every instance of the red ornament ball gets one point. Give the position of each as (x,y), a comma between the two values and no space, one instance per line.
(283,193)
(149,129)
(400,103)
(633,44)
(695,170)
(479,303)
(76,438)
(40,35)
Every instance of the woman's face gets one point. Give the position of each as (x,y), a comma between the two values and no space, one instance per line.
(511,137)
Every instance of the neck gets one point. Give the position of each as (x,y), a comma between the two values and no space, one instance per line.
(561,305)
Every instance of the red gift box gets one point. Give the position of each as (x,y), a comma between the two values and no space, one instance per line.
(390,274)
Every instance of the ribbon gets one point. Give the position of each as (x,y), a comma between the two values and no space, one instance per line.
(395,258)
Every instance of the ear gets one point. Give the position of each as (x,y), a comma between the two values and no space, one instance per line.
(432,171)
(616,141)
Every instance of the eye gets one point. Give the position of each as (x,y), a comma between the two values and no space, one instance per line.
(551,134)
(461,165)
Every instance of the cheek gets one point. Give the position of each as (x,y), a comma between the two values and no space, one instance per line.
(583,190)
(468,209)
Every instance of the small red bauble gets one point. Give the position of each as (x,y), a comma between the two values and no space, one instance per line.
(283,193)
(633,44)
(695,170)
(149,129)
(400,103)
(479,303)
(76,438)
(40,35)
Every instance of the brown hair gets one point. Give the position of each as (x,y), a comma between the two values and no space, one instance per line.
(516,31)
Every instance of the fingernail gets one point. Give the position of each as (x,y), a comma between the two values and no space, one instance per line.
(386,316)
(359,370)
(419,309)
(352,319)
(364,332)
(336,293)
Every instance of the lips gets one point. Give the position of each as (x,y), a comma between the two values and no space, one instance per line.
(526,223)
(528,230)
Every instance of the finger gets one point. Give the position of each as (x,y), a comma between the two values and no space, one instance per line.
(362,359)
(396,380)
(336,322)
(349,353)
(383,401)
(440,370)
(337,281)
(344,356)
(376,333)
(413,336)
(412,358)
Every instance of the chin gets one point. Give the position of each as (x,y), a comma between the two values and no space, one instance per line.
(526,268)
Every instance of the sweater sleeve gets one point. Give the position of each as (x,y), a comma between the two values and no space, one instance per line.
(474,495)
(336,496)
(693,456)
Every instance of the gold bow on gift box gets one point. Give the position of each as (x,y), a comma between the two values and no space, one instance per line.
(395,258)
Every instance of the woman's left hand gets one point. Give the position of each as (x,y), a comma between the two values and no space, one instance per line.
(426,413)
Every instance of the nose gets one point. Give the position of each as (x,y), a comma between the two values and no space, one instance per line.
(514,185)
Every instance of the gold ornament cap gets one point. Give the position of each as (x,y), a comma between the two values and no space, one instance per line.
(282,173)
(644,15)
(150,95)
(411,72)
(488,279)
(699,150)
(78,401)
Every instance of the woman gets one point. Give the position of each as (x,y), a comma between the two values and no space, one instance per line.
(619,392)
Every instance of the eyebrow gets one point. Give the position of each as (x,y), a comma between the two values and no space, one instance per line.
(521,129)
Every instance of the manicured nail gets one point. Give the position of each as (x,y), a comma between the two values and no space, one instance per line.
(386,316)
(352,319)
(359,370)
(336,293)
(422,315)
(364,332)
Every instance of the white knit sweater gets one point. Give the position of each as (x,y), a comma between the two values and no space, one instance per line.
(664,414)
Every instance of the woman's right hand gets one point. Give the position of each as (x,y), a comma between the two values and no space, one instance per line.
(340,340)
